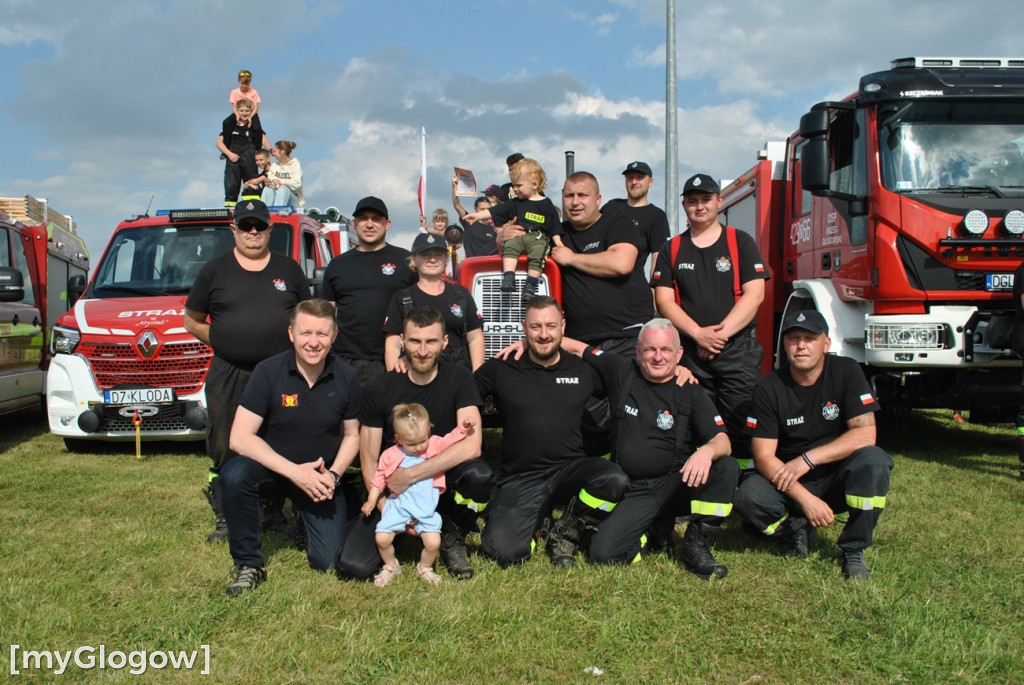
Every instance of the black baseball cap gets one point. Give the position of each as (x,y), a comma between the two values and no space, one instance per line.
(374,203)
(808,320)
(700,183)
(639,167)
(252,209)
(427,241)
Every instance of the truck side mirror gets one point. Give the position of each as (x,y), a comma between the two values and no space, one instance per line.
(76,286)
(814,165)
(814,123)
(317,282)
(12,284)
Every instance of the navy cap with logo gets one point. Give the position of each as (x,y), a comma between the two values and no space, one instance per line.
(427,241)
(251,209)
(808,320)
(374,203)
(700,183)
(639,167)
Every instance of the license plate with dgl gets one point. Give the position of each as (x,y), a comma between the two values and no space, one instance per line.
(138,396)
(994,282)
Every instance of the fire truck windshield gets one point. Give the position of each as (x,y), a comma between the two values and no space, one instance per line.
(936,146)
(165,260)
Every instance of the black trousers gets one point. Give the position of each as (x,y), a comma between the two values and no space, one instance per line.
(621,539)
(224,385)
(523,500)
(858,484)
(730,379)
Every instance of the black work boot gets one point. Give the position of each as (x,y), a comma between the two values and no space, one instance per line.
(453,551)
(566,536)
(220,530)
(659,535)
(272,518)
(854,566)
(796,539)
(696,550)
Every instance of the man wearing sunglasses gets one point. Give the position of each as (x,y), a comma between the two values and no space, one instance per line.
(240,305)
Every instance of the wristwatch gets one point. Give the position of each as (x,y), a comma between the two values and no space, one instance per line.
(337,479)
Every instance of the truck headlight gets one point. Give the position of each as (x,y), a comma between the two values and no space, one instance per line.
(64,340)
(918,336)
(976,222)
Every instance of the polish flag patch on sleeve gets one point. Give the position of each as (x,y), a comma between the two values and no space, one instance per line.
(751,422)
(759,268)
(719,421)
(866,398)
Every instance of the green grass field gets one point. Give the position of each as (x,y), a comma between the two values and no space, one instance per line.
(103,549)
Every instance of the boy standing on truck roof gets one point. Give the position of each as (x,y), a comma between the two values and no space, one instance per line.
(239,139)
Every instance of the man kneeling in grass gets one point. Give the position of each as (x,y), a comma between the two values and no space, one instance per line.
(814,449)
(296,426)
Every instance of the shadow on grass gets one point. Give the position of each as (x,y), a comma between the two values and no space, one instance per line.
(932,436)
(21,426)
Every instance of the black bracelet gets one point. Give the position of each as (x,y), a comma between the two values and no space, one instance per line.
(337,479)
(807,460)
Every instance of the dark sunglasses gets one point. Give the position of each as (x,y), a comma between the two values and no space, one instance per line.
(249,225)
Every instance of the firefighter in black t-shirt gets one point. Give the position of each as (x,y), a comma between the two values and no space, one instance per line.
(361,283)
(450,397)
(239,305)
(542,396)
(670,441)
(814,448)
(709,282)
(650,220)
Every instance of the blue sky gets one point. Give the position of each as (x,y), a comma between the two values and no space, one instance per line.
(108,104)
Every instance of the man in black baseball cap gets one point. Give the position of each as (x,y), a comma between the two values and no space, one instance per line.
(250,211)
(650,220)
(361,283)
(709,282)
(809,320)
(700,183)
(813,439)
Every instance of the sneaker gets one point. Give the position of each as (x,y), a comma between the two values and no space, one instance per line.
(386,575)
(696,552)
(427,574)
(453,552)
(508,283)
(854,567)
(565,538)
(796,544)
(529,292)
(246,578)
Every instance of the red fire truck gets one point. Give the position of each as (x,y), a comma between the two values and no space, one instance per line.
(898,213)
(43,262)
(122,354)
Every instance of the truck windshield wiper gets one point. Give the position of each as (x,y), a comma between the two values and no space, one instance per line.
(962,190)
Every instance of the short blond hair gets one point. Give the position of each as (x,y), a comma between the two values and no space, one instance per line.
(405,418)
(530,168)
(440,214)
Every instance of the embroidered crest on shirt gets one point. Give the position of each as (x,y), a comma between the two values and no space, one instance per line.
(289,400)
(388,269)
(457,310)
(830,410)
(723,264)
(280,284)
(666,420)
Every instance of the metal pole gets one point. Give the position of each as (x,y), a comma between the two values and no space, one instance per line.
(671,123)
(570,163)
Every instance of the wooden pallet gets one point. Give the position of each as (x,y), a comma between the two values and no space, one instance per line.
(29,210)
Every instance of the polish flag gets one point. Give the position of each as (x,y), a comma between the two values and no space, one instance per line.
(421,192)
(866,398)
(751,422)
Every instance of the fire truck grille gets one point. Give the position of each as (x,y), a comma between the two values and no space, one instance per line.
(502,312)
(169,420)
(180,366)
(970,280)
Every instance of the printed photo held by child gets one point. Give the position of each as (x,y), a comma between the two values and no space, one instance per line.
(416,507)
(536,215)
